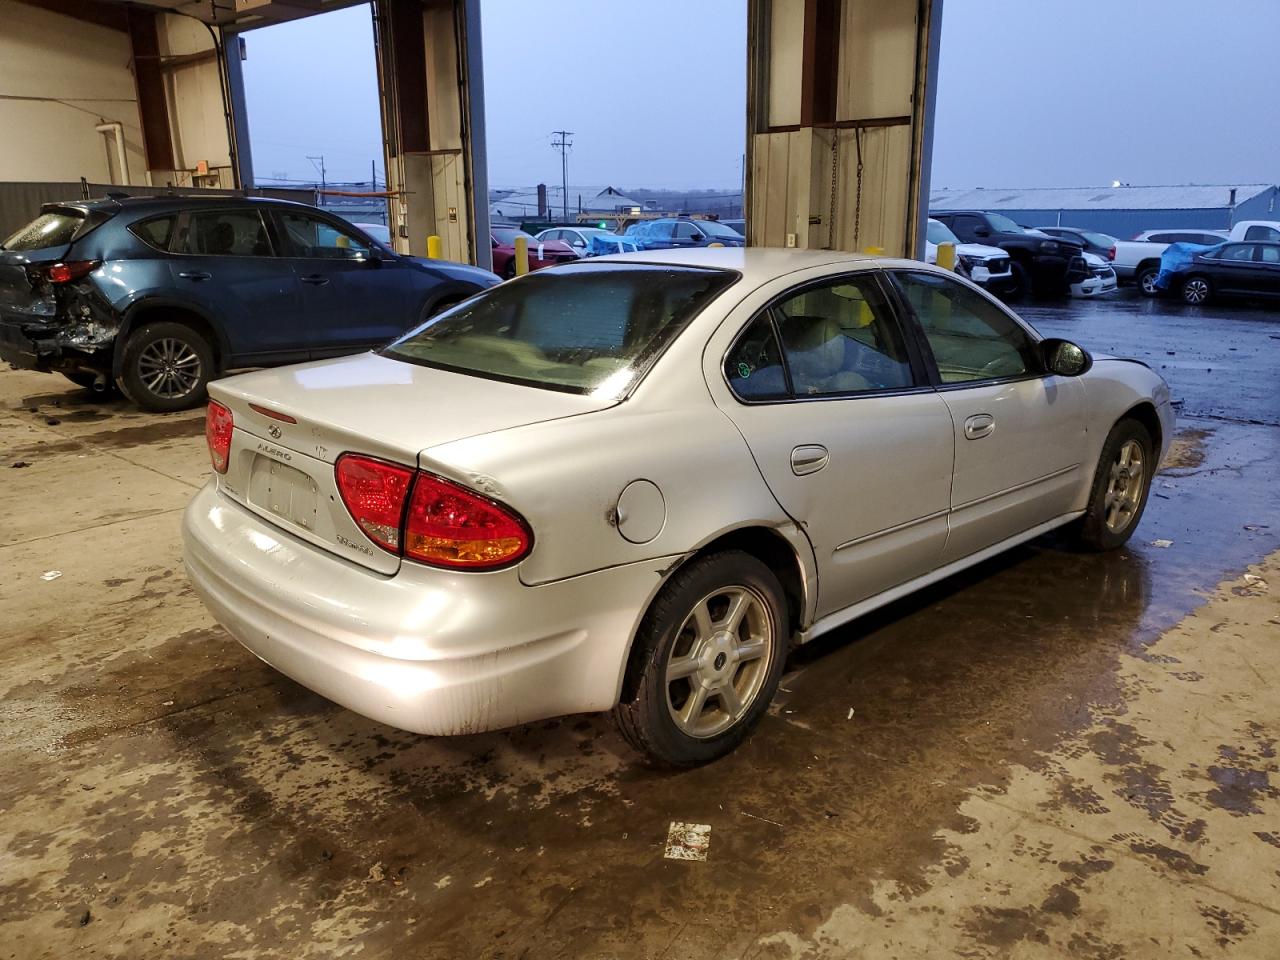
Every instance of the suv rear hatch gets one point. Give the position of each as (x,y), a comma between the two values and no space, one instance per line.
(292,424)
(44,241)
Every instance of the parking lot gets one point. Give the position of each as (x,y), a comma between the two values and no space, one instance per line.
(1052,754)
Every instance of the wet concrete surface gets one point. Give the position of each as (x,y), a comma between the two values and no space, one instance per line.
(1055,754)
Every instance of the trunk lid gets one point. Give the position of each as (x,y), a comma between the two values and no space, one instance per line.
(364,404)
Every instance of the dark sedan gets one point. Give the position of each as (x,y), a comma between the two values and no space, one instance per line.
(1228,270)
(669,233)
(159,295)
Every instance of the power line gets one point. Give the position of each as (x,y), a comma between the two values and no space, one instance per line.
(564,144)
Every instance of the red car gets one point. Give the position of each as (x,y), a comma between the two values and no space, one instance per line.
(541,253)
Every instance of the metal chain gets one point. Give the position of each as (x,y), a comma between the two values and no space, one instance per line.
(857,203)
(831,214)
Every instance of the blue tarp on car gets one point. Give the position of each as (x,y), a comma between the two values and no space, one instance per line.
(602,244)
(1176,258)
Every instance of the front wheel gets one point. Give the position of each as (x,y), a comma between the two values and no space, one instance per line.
(167,366)
(1147,281)
(707,661)
(1120,488)
(1196,290)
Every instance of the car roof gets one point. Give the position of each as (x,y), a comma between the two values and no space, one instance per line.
(754,263)
(175,201)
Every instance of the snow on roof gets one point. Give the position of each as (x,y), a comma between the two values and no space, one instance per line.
(1185,197)
(593,198)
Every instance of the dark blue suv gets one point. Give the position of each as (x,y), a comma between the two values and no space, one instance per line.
(159,295)
(671,233)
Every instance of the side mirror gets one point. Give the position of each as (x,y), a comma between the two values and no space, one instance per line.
(1065,358)
(981,232)
(697,236)
(579,243)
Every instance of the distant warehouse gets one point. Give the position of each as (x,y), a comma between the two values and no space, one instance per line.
(1121,211)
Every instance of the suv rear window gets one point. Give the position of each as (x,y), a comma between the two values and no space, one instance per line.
(586,328)
(53,228)
(156,233)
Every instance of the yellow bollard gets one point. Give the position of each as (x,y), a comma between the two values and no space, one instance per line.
(433,247)
(947,256)
(522,256)
(874,251)
(716,244)
(343,241)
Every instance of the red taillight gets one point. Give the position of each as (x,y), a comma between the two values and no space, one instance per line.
(67,272)
(374,494)
(218,424)
(1111,254)
(445,524)
(449,526)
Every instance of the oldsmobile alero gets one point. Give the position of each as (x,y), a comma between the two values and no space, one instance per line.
(632,483)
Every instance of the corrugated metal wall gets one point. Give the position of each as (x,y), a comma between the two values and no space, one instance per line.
(20,202)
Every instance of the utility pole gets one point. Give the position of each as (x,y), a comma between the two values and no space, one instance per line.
(324,184)
(563,143)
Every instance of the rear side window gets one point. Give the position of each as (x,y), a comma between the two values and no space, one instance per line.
(754,366)
(1270,254)
(156,233)
(1260,232)
(224,233)
(54,228)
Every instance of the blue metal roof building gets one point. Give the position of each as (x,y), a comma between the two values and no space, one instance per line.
(1121,211)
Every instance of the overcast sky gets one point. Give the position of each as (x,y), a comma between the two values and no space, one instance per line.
(1045,93)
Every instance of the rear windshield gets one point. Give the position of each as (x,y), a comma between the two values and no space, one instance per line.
(507,235)
(55,228)
(581,328)
(1099,239)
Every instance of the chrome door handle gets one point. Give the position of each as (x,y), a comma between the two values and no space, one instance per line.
(980,425)
(195,275)
(809,458)
(318,279)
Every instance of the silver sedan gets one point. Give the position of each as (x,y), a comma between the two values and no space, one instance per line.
(633,483)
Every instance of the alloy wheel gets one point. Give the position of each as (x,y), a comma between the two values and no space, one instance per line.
(719,661)
(1195,290)
(169,368)
(1148,282)
(1124,487)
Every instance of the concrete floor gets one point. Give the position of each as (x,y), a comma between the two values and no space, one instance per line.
(1052,755)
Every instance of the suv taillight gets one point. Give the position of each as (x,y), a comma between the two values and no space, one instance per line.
(218,424)
(1111,254)
(68,272)
(444,523)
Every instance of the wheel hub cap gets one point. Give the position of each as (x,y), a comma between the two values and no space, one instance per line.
(719,661)
(1125,482)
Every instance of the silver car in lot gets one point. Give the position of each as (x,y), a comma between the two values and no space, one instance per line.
(632,483)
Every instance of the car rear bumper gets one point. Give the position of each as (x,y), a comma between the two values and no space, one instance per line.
(426,650)
(23,351)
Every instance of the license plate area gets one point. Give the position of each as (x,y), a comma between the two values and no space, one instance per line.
(284,492)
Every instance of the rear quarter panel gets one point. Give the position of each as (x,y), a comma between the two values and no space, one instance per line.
(565,478)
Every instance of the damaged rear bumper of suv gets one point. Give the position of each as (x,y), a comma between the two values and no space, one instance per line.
(58,347)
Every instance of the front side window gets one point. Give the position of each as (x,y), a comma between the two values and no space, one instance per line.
(314,238)
(583,328)
(224,233)
(971,337)
(686,231)
(1270,253)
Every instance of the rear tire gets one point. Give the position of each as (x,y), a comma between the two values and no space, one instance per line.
(1121,485)
(1019,287)
(1147,281)
(1196,291)
(167,366)
(706,662)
